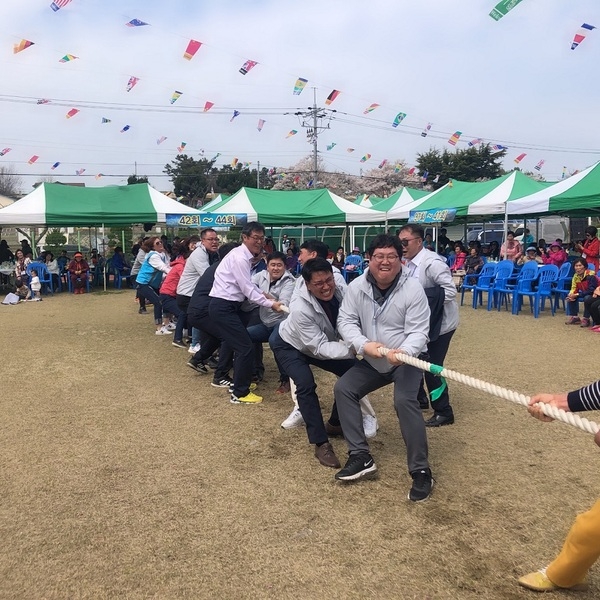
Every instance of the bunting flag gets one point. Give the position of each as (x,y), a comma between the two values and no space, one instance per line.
(43,101)
(365,158)
(22,45)
(180,148)
(215,157)
(424,176)
(5,151)
(126,128)
(247,164)
(398,119)
(520,158)
(437,178)
(192,47)
(234,162)
(454,138)
(580,35)
(33,159)
(539,166)
(332,146)
(412,170)
(58,4)
(105,120)
(291,133)
(99,175)
(310,183)
(297,179)
(247,66)
(498,148)
(564,172)
(131,83)
(334,94)
(502,8)
(370,108)
(475,142)
(68,58)
(160,140)
(426,130)
(299,85)
(208,106)
(80,172)
(382,163)
(136,23)
(350,150)
(397,168)
(72,113)
(261,124)
(236,113)
(54,166)
(176,95)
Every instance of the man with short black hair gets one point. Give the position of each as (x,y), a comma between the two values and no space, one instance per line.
(314,248)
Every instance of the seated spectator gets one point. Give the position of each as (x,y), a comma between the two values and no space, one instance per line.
(63,261)
(460,256)
(584,284)
(26,248)
(119,262)
(541,248)
(530,256)
(21,263)
(5,254)
(291,261)
(338,258)
(79,271)
(556,255)
(428,242)
(53,269)
(473,264)
(494,250)
(593,305)
(511,249)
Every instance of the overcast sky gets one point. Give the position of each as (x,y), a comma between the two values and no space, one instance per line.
(515,82)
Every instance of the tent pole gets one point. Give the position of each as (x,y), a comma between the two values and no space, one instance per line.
(79,239)
(33,241)
(123,239)
(104,274)
(505,228)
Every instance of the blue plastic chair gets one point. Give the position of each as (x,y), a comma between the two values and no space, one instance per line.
(357,262)
(548,275)
(43,274)
(563,285)
(483,284)
(487,272)
(501,287)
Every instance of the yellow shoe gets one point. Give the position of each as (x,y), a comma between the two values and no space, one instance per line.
(538,582)
(249,399)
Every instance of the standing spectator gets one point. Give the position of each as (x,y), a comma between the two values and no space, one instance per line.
(26,247)
(293,246)
(285,243)
(291,261)
(5,254)
(79,271)
(556,255)
(584,284)
(511,249)
(36,286)
(528,239)
(140,257)
(590,249)
(338,258)
(443,239)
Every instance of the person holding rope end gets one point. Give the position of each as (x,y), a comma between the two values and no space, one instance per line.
(581,548)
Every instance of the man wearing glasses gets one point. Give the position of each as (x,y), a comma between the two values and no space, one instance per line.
(384,309)
(233,285)
(432,271)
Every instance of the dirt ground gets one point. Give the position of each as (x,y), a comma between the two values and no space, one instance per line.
(124,474)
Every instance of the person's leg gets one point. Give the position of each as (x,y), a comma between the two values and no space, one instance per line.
(594,309)
(150,294)
(438,390)
(169,305)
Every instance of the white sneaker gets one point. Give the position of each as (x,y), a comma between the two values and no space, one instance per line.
(193,349)
(370,426)
(294,420)
(163,331)
(171,326)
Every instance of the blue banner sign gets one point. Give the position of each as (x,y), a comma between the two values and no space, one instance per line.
(435,215)
(207,220)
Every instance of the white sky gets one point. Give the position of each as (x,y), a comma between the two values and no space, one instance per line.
(514,82)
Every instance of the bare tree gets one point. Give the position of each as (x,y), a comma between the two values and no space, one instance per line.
(10,183)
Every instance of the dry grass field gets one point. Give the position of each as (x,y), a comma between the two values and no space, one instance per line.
(124,474)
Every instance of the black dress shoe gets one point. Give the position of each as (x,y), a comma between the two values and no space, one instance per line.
(439,420)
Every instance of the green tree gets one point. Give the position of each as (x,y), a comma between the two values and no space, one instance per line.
(229,180)
(135,179)
(115,238)
(191,178)
(55,241)
(10,183)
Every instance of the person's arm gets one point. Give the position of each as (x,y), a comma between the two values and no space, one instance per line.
(157,262)
(440,273)
(593,250)
(241,274)
(583,399)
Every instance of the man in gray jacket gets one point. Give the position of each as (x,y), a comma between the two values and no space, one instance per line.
(383,308)
(432,271)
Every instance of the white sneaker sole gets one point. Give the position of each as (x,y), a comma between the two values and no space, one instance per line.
(359,475)
(293,424)
(426,498)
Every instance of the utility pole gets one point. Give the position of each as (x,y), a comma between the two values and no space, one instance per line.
(258,175)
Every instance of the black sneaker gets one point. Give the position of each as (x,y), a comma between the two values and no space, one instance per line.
(142,311)
(357,466)
(224,382)
(212,363)
(178,344)
(197,366)
(422,485)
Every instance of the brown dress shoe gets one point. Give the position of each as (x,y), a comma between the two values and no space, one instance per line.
(333,430)
(326,456)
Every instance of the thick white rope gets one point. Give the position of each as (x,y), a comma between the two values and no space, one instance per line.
(550,411)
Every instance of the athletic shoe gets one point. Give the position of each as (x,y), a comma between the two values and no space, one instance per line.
(212,362)
(194,348)
(224,382)
(163,331)
(538,582)
(358,465)
(573,321)
(295,419)
(585,322)
(251,387)
(142,311)
(370,426)
(250,398)
(596,329)
(197,366)
(422,485)
(178,344)
(171,326)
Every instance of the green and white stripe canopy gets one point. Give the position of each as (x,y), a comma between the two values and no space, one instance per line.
(54,204)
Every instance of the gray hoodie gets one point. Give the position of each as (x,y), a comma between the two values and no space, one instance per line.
(281,290)
(401,322)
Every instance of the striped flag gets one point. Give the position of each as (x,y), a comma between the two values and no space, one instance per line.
(58,4)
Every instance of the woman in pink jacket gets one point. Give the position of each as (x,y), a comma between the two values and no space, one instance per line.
(556,255)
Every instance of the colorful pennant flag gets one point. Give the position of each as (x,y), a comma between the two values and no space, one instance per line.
(43,101)
(310,183)
(176,95)
(22,45)
(454,138)
(498,148)
(160,140)
(426,130)
(236,113)
(180,148)
(261,124)
(299,85)
(234,162)
(580,35)
(350,150)
(412,170)
(72,113)
(131,83)
(99,175)
(520,158)
(397,168)
(332,146)
(33,159)
(5,151)
(215,157)
(208,106)
(247,66)
(437,178)
(291,133)
(68,58)
(370,108)
(247,164)
(539,166)
(192,47)
(365,158)
(136,23)
(382,163)
(502,8)
(58,4)
(126,128)
(475,142)
(80,172)
(564,172)
(105,120)
(54,166)
(398,119)
(297,179)
(334,94)
(424,176)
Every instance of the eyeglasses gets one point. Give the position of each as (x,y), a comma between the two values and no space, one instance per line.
(383,257)
(321,284)
(405,242)
(211,239)
(258,238)
(157,243)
